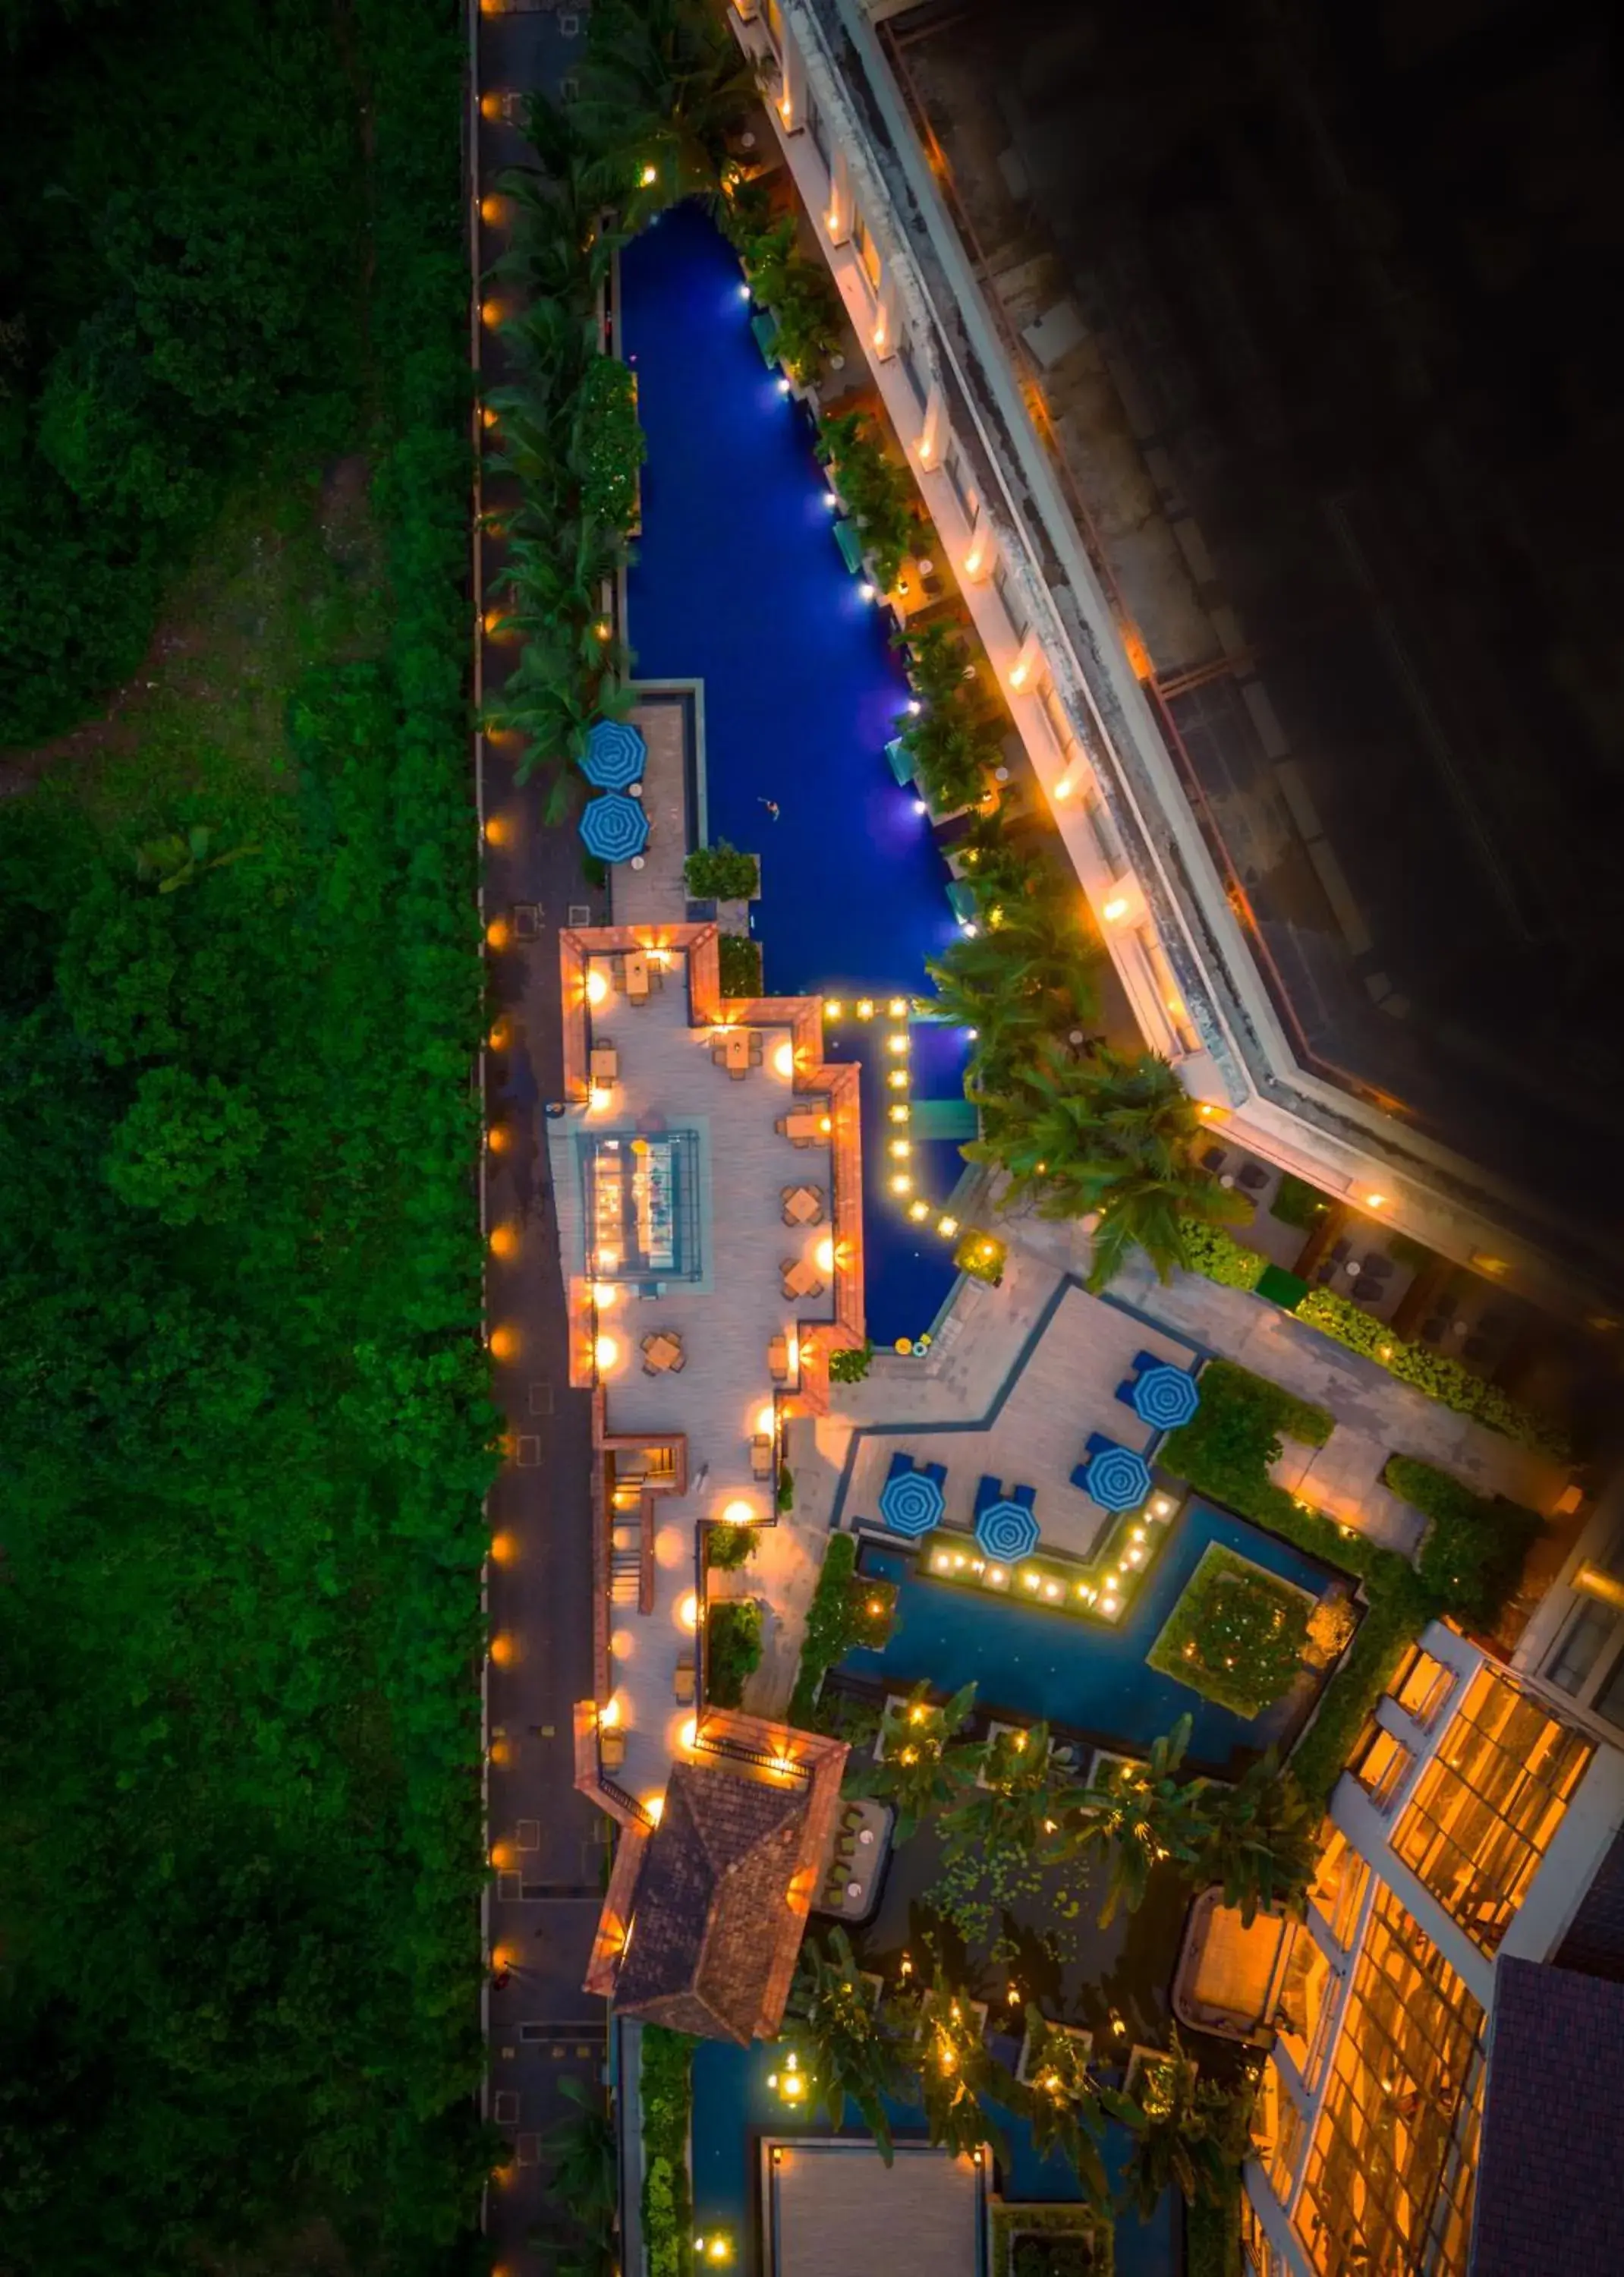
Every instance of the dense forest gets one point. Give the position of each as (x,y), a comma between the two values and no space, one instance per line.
(245,1428)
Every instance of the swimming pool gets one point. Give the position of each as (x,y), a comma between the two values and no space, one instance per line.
(738,581)
(733,2107)
(1091,1679)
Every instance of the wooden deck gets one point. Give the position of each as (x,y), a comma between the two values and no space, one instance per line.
(833,2208)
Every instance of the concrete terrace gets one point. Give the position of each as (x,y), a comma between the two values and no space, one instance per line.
(1034,1435)
(673,1447)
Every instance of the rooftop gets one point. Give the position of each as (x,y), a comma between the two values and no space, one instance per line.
(832,2209)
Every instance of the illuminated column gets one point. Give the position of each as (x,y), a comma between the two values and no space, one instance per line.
(793,93)
(838,220)
(930,444)
(1023,671)
(979,553)
(1594,1582)
(885,333)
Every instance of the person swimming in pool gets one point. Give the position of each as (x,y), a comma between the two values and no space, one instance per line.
(772,805)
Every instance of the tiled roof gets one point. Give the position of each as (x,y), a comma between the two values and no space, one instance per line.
(1548,2194)
(712,1904)
(1595,1940)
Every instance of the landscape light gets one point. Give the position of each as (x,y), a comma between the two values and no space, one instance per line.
(766,1421)
(649,176)
(919,1211)
(783,387)
(898,1008)
(597,986)
(825,1256)
(688,1610)
(831,501)
(866,590)
(744,291)
(784,1060)
(901,1184)
(605,1353)
(739,1513)
(920,807)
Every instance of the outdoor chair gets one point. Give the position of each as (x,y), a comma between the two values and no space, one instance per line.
(1080,1477)
(1025,1495)
(987,1490)
(1097,1444)
(937,1472)
(683,1680)
(899,1462)
(1125,1389)
(1145,1360)
(1252,1177)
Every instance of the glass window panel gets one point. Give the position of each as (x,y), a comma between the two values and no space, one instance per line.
(1422,1685)
(1388,2187)
(1609,1701)
(1339,1885)
(1590,1629)
(1487,1807)
(1380,1765)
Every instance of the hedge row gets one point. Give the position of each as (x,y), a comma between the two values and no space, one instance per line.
(1444,1379)
(666,2090)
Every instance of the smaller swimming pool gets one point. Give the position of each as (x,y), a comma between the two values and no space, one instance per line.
(733,2107)
(1094,1680)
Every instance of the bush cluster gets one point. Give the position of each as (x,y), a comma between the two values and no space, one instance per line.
(1475,1545)
(739,960)
(1236,1635)
(799,290)
(1297,1203)
(732,1648)
(957,737)
(876,490)
(1211,1251)
(847,1612)
(720,873)
(1446,1380)
(665,2090)
(850,1363)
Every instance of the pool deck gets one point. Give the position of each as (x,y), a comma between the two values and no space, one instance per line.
(832,2209)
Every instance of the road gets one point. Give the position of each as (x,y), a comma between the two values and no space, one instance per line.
(547,1842)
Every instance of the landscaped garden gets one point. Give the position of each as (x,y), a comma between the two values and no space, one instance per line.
(1236,1635)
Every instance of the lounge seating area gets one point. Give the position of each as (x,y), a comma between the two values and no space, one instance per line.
(737,1050)
(855,1860)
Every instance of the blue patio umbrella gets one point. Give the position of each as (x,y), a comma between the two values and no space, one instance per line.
(1164,1397)
(1117,1479)
(1007,1530)
(616,754)
(911,1503)
(614,827)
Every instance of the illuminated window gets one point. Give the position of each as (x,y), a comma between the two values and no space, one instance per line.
(1394,2155)
(1380,1767)
(1422,1685)
(1303,2011)
(1339,1885)
(1277,2129)
(1485,1811)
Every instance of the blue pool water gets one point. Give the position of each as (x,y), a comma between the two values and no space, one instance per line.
(1092,1680)
(738,581)
(733,2106)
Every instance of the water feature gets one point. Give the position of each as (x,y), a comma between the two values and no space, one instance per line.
(733,2107)
(1091,1678)
(738,581)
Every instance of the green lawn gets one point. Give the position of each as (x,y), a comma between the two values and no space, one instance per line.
(1236,1635)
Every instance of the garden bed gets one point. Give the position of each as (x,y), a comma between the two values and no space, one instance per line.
(1048,2241)
(1236,1635)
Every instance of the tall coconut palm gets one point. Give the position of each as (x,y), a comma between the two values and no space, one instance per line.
(840,2039)
(582,2150)
(664,87)
(1015,1805)
(1114,1137)
(1260,1838)
(553,711)
(957,2074)
(922,1772)
(1138,1817)
(1187,2135)
(1065,2106)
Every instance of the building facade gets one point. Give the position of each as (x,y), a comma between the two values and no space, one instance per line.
(1470,1823)
(1084,703)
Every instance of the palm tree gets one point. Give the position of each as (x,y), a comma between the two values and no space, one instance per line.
(921,1772)
(1113,1136)
(1066,2108)
(584,2158)
(552,711)
(838,2041)
(664,87)
(1015,1807)
(1138,1819)
(958,2076)
(1260,1838)
(179,859)
(1186,2137)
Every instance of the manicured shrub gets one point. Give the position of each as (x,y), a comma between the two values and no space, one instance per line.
(1219,1256)
(1297,1203)
(847,1610)
(1442,1379)
(877,489)
(612,446)
(666,2093)
(1236,1635)
(785,1496)
(722,874)
(850,1363)
(732,1648)
(1474,1546)
(741,961)
(727,1547)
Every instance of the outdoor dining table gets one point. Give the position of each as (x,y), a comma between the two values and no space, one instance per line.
(636,976)
(806,1129)
(662,1350)
(801,1279)
(736,1051)
(605,1067)
(803,1205)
